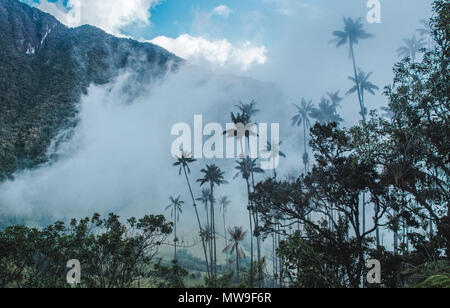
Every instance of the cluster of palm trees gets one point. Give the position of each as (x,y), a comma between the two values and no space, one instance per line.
(213,177)
(325,112)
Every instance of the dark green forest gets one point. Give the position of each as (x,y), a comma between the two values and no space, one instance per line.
(395,165)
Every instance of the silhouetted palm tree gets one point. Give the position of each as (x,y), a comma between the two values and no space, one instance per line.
(246,167)
(353,32)
(411,48)
(326,113)
(205,198)
(364,85)
(224,202)
(335,98)
(183,163)
(303,118)
(237,235)
(248,110)
(215,177)
(426,31)
(175,212)
(274,151)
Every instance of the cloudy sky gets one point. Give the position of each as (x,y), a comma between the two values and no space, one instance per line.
(242,33)
(283,43)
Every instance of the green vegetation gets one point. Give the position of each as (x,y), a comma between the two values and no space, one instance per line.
(394,167)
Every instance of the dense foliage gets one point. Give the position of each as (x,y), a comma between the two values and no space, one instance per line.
(112,254)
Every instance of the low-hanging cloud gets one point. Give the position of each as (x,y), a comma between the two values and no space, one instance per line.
(119,157)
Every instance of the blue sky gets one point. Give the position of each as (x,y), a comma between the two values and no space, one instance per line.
(175,17)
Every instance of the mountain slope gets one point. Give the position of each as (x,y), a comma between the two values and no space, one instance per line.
(44,69)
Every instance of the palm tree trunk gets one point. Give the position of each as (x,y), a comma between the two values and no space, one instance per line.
(175,229)
(395,237)
(237,262)
(258,239)
(364,212)
(198,220)
(304,140)
(357,82)
(274,262)
(251,235)
(213,223)
(225,235)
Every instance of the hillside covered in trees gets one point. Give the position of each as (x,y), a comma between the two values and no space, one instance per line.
(45,67)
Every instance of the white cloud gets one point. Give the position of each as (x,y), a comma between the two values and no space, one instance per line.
(111,15)
(293,7)
(218,52)
(222,10)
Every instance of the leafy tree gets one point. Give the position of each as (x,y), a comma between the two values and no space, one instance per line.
(419,147)
(112,254)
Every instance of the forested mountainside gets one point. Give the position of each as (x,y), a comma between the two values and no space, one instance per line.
(45,67)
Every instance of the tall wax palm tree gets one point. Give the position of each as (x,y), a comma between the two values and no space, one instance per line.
(175,212)
(246,167)
(224,202)
(364,84)
(183,163)
(411,48)
(274,151)
(353,32)
(205,198)
(362,80)
(237,236)
(302,117)
(248,111)
(214,177)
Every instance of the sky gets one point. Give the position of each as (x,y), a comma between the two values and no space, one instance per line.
(264,39)
(273,51)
